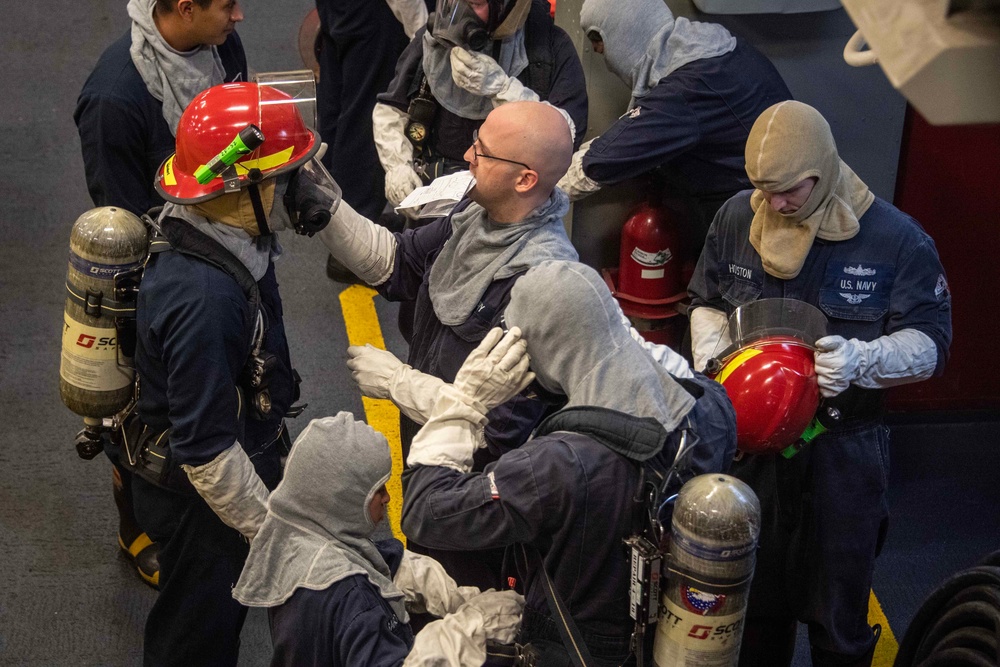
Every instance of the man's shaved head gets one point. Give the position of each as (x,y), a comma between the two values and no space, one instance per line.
(524,148)
(537,133)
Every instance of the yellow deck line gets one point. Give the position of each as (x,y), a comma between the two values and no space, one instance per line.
(887,647)
(362,325)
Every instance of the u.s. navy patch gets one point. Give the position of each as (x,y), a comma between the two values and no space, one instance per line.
(700,602)
(857,283)
(856,290)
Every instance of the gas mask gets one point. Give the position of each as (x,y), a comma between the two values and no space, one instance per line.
(456,23)
(311,198)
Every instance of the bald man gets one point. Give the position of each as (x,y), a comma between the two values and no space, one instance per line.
(458,271)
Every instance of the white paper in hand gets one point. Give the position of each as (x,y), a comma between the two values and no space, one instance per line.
(438,197)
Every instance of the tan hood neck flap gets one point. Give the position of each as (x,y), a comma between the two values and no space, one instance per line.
(789,143)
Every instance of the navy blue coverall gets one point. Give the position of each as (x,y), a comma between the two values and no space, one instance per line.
(195,334)
(123,136)
(567,494)
(348,624)
(439,350)
(824,511)
(692,128)
(360,41)
(554,72)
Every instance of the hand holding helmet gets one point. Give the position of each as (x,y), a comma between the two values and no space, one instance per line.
(838,362)
(312,198)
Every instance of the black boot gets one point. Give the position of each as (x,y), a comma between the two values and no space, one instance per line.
(136,544)
(768,642)
(822,658)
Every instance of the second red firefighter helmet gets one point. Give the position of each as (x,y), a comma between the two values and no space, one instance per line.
(211,122)
(769,372)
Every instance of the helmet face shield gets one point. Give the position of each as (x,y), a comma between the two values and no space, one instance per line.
(298,85)
(209,125)
(767,318)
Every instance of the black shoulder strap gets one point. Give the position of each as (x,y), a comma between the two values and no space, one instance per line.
(184,238)
(572,638)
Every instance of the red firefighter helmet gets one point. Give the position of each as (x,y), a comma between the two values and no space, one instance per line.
(769,372)
(772,385)
(208,125)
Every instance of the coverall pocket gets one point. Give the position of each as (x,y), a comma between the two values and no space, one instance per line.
(738,292)
(446,504)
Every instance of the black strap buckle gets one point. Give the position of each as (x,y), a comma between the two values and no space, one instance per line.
(92,306)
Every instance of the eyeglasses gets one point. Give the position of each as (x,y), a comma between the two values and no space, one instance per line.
(476,154)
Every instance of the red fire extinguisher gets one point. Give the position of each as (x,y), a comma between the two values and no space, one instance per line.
(649,265)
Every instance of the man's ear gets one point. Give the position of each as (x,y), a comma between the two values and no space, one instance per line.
(185,8)
(526,181)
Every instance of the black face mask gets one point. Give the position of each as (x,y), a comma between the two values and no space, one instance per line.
(311,198)
(455,23)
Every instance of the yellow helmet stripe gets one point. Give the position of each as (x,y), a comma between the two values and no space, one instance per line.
(734,363)
(262,163)
(168,171)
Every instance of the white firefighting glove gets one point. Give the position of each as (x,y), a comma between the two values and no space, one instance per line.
(671,361)
(899,358)
(497,370)
(459,639)
(380,374)
(567,118)
(575,183)
(428,588)
(231,487)
(395,152)
(367,249)
(400,181)
(411,13)
(480,75)
(493,373)
(709,335)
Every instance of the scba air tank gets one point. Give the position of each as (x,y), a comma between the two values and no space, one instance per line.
(714,531)
(95,377)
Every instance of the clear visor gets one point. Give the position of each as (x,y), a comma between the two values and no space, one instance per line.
(456,24)
(450,12)
(299,85)
(770,318)
(777,317)
(317,183)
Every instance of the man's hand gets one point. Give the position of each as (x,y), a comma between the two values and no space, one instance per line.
(838,362)
(497,370)
(372,369)
(477,73)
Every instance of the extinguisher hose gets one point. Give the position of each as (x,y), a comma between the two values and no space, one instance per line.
(959,622)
